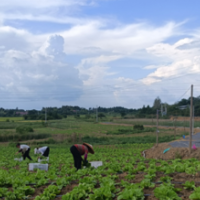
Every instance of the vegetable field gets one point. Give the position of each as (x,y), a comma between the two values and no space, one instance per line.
(125,175)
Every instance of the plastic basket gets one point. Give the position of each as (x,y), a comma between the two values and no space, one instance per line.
(33,166)
(96,164)
(41,160)
(18,159)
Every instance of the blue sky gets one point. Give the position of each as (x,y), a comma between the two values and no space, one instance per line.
(98,52)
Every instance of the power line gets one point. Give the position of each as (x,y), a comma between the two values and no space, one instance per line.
(184,93)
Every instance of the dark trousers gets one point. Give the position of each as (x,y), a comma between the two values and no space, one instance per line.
(26,154)
(77,157)
(46,153)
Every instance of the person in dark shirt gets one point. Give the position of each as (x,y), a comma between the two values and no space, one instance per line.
(24,149)
(78,150)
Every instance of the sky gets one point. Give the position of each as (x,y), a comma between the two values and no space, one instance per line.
(98,52)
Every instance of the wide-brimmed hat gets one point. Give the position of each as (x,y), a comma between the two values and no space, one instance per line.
(90,148)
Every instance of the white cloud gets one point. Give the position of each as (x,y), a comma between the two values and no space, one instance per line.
(60,11)
(181,58)
(34,76)
(36,67)
(41,3)
(124,40)
(151,67)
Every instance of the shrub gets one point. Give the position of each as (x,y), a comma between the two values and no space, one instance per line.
(24,129)
(77,116)
(138,127)
(50,141)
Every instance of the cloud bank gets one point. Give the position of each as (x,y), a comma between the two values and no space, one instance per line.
(78,65)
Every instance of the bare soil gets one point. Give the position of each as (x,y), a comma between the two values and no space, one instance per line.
(156,152)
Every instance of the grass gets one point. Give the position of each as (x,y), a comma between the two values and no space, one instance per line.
(21,137)
(162,122)
(3,119)
(13,125)
(127,140)
(66,128)
(129,131)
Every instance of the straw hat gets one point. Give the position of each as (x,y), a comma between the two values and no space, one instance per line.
(90,148)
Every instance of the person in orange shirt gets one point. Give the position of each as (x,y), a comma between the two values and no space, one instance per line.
(78,150)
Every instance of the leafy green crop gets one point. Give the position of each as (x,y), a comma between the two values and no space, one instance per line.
(131,192)
(196,194)
(189,185)
(165,192)
(116,179)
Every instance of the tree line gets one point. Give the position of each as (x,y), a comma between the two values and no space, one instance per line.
(180,108)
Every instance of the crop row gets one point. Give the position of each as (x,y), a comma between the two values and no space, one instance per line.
(125,174)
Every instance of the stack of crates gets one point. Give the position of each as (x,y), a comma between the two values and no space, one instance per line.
(33,166)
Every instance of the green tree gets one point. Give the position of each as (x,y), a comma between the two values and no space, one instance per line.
(101,115)
(157,103)
(123,113)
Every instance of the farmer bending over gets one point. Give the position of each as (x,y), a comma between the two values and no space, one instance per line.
(44,151)
(24,149)
(78,150)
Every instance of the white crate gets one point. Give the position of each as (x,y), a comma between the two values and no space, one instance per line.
(46,159)
(33,166)
(18,159)
(96,164)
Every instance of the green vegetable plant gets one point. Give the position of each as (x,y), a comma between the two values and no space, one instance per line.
(166,192)
(196,194)
(166,179)
(49,193)
(3,191)
(79,192)
(189,185)
(146,183)
(131,192)
(129,177)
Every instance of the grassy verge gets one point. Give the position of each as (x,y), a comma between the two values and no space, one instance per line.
(4,119)
(127,140)
(152,122)
(21,137)
(130,131)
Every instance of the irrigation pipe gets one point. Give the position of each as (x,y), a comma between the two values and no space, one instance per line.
(146,195)
(57,196)
(159,182)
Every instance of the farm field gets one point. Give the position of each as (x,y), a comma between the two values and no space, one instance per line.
(161,122)
(68,130)
(125,175)
(3,119)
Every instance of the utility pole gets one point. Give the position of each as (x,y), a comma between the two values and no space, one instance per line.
(193,122)
(97,114)
(157,130)
(184,124)
(191,114)
(174,121)
(174,128)
(45,115)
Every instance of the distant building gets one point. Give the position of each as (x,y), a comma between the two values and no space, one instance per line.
(21,113)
